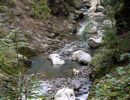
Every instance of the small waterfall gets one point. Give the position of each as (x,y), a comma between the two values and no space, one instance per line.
(82,28)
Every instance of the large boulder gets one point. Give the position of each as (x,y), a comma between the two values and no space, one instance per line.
(81,57)
(56,60)
(65,94)
(94,4)
(94,42)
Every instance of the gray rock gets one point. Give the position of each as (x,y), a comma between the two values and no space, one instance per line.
(65,94)
(94,42)
(56,60)
(100,9)
(81,57)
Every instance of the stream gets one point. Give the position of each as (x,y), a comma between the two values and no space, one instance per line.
(58,77)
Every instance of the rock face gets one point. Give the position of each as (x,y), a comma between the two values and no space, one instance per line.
(81,57)
(94,42)
(56,60)
(65,94)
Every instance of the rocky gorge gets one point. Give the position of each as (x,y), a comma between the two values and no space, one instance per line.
(75,85)
(57,52)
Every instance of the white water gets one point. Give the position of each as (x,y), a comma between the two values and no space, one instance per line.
(82,28)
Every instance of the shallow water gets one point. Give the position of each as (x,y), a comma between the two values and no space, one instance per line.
(44,66)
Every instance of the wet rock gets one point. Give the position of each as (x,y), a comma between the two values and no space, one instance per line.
(81,57)
(92,9)
(77,84)
(56,60)
(94,42)
(65,94)
(100,9)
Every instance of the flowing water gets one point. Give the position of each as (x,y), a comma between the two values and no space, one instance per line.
(57,77)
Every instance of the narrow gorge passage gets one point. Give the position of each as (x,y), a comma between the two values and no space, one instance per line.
(71,74)
(64,49)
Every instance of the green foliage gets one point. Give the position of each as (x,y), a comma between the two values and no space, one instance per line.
(102,58)
(14,83)
(111,6)
(9,65)
(101,62)
(7,2)
(110,39)
(113,86)
(40,9)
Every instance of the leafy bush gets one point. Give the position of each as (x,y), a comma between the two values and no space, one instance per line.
(40,9)
(113,86)
(9,66)
(7,2)
(110,39)
(101,62)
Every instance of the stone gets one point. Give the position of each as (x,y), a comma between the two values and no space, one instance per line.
(94,42)
(98,16)
(56,60)
(75,71)
(92,9)
(100,9)
(81,57)
(94,4)
(65,94)
(107,23)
